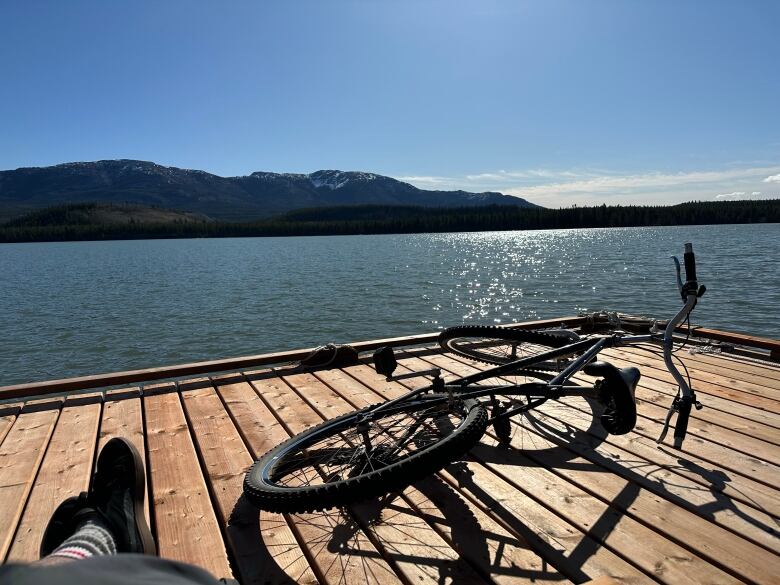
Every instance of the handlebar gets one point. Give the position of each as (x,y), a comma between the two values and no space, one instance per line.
(690,286)
(690,291)
(690,265)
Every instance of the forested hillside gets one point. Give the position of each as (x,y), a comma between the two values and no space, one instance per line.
(93,221)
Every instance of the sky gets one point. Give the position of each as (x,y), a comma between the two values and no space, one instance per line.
(561,102)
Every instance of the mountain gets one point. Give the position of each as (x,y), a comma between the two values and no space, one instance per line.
(261,194)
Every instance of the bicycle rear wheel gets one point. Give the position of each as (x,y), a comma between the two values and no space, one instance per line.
(548,424)
(498,345)
(361,455)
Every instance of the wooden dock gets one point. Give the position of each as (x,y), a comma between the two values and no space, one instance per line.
(563,504)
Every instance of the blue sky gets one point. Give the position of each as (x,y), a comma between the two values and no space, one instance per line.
(560,102)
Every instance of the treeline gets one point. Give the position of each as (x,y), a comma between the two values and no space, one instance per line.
(374,219)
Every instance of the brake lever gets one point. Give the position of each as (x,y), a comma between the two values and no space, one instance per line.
(672,409)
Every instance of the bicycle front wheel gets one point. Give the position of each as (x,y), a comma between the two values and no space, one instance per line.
(362,454)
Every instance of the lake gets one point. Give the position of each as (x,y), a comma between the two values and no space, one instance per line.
(78,308)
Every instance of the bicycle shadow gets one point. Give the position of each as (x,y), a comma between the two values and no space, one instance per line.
(551,442)
(718,481)
(256,554)
(570,562)
(394,534)
(579,451)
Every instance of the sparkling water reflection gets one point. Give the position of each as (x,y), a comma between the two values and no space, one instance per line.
(85,307)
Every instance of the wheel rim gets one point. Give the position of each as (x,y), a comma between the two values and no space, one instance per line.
(361,447)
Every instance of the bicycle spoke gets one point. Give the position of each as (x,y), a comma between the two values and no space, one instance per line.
(371,446)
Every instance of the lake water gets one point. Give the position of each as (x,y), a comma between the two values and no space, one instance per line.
(77,308)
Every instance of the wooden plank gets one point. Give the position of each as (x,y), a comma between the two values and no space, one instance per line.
(709,378)
(223,365)
(325,537)
(65,471)
(735,417)
(761,375)
(702,445)
(552,537)
(490,547)
(576,554)
(187,528)
(264,549)
(764,381)
(743,487)
(8,413)
(714,402)
(122,417)
(261,430)
(717,481)
(20,457)
(418,552)
(737,338)
(603,520)
(707,539)
(715,544)
(743,519)
(724,359)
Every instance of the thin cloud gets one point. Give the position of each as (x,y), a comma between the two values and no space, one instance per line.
(731,196)
(556,188)
(427,180)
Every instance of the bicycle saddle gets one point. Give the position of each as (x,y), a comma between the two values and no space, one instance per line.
(617,394)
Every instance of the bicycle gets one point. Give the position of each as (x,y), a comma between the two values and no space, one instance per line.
(388,446)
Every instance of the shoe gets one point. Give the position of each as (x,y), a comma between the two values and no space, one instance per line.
(116,497)
(117,494)
(63,523)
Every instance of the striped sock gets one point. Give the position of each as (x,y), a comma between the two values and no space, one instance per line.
(91,538)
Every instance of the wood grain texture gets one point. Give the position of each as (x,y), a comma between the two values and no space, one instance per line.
(264,548)
(8,415)
(65,471)
(338,550)
(122,417)
(186,525)
(20,457)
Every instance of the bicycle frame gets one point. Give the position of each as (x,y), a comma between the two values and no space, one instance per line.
(591,346)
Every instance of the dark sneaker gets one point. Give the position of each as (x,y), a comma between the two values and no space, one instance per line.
(116,498)
(63,523)
(117,493)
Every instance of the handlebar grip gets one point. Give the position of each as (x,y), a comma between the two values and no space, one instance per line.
(690,263)
(683,415)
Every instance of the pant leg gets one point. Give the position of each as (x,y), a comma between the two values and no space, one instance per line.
(121,569)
